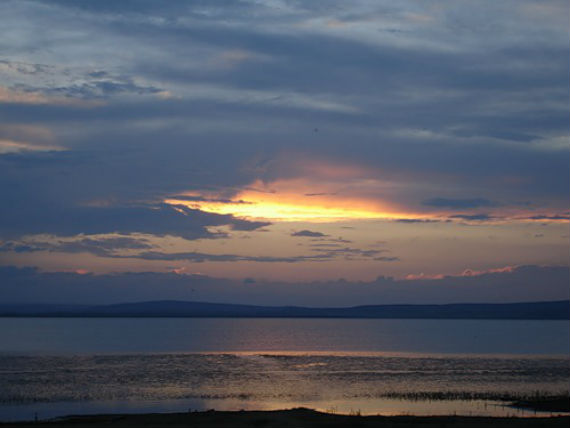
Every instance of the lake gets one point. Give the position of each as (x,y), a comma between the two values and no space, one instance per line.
(57,366)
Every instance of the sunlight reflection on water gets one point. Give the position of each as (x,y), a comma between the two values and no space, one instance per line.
(415,373)
(350,382)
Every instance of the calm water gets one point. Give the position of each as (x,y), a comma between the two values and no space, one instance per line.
(128,335)
(60,366)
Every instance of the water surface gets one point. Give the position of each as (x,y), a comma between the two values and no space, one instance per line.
(54,367)
(128,335)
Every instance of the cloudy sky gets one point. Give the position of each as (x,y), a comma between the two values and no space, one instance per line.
(284,145)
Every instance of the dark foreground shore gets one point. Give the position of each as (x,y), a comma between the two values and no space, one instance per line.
(295,418)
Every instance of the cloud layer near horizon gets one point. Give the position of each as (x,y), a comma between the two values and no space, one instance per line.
(515,284)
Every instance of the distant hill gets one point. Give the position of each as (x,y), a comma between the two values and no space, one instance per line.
(559,310)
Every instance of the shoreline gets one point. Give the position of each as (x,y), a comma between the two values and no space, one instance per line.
(544,404)
(299,417)
(529,407)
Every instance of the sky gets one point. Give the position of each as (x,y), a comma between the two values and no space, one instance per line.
(321,153)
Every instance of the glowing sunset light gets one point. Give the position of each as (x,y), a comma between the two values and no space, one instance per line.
(287,201)
(283,211)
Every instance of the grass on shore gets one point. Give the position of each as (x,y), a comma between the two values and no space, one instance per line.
(537,401)
(294,418)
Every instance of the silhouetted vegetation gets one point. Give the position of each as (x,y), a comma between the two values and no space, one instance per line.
(304,418)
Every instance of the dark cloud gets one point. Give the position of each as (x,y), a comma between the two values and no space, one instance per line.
(157,219)
(142,249)
(94,89)
(320,194)
(197,257)
(473,217)
(323,254)
(95,193)
(549,217)
(417,220)
(387,259)
(458,203)
(102,247)
(326,245)
(350,253)
(308,233)
(327,238)
(204,199)
(444,101)
(29,285)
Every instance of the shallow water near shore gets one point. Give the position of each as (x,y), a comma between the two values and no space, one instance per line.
(384,407)
(55,367)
